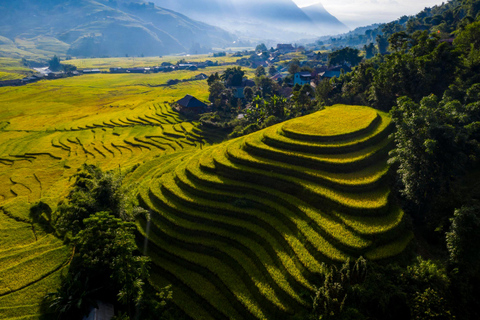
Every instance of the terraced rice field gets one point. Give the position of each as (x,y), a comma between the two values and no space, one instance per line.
(12,69)
(50,129)
(242,229)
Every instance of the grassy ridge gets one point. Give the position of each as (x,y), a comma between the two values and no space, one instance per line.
(271,211)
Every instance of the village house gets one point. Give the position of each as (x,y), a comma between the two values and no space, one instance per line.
(329,74)
(238,90)
(285,48)
(190,105)
(302,78)
(201,76)
(187,66)
(91,71)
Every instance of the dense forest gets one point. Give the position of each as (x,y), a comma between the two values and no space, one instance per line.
(426,74)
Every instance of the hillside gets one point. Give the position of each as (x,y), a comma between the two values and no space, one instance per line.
(48,130)
(34,29)
(327,23)
(241,229)
(280,20)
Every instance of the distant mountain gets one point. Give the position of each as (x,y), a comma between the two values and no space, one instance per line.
(260,19)
(199,9)
(101,28)
(327,23)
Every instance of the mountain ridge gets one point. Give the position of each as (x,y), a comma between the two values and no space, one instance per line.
(323,19)
(263,19)
(102,28)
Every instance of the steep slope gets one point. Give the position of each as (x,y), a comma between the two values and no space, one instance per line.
(327,23)
(242,228)
(98,28)
(48,130)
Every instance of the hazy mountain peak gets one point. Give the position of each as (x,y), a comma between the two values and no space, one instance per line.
(282,20)
(328,23)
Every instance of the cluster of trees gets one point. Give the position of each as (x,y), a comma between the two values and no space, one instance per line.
(55,65)
(97,221)
(362,290)
(431,86)
(444,20)
(259,106)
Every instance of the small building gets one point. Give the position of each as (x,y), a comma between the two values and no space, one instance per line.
(201,76)
(330,74)
(238,90)
(302,78)
(286,92)
(277,77)
(187,66)
(103,311)
(91,71)
(118,70)
(191,105)
(285,47)
(137,70)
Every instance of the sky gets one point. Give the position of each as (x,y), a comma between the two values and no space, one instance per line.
(357,13)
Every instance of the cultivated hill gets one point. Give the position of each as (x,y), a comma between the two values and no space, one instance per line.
(48,130)
(88,28)
(241,229)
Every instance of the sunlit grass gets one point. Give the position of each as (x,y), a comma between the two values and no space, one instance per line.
(333,121)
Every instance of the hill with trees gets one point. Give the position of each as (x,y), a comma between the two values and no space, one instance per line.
(89,28)
(426,73)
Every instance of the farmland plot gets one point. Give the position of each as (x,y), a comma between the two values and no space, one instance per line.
(243,227)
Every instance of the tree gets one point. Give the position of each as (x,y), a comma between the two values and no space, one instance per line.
(296,87)
(215,90)
(463,239)
(294,66)
(276,107)
(54,64)
(106,248)
(93,191)
(261,48)
(330,299)
(344,56)
(435,144)
(322,91)
(469,38)
(272,70)
(74,297)
(233,77)
(382,43)
(260,71)
(370,50)
(212,78)
(97,219)
(399,41)
(248,93)
(267,86)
